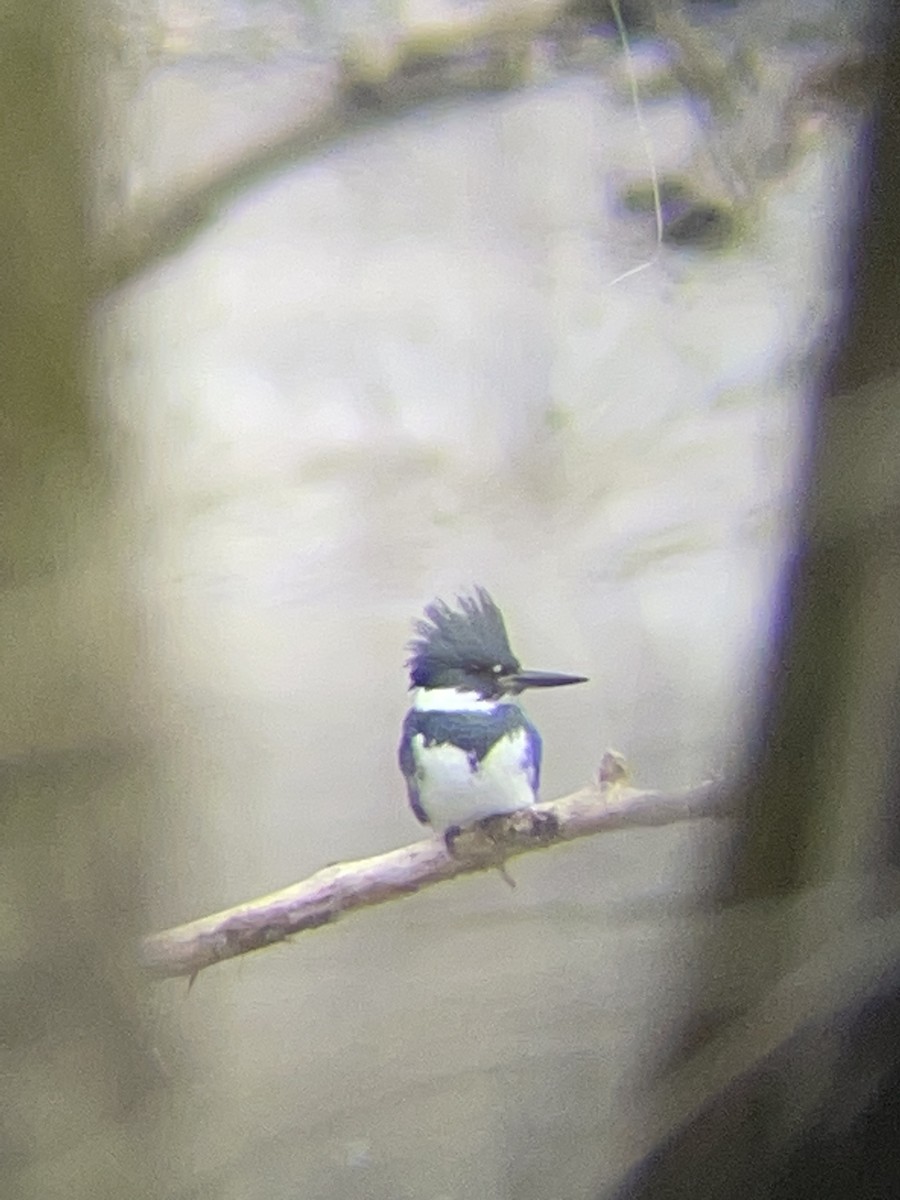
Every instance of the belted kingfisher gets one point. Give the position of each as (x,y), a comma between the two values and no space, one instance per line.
(468,751)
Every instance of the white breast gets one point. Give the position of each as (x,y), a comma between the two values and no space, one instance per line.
(452,793)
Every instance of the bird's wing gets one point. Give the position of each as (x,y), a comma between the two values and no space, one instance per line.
(534,750)
(407,761)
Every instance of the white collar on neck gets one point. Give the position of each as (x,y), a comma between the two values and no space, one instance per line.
(451,700)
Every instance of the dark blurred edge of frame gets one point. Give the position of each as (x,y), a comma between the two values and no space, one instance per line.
(831,714)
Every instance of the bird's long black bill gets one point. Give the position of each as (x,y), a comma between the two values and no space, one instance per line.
(540,679)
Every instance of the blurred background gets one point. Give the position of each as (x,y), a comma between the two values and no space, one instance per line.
(347,307)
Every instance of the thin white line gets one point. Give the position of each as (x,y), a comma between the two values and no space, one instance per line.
(645,140)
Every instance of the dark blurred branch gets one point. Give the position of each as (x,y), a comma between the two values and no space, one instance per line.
(345,887)
(736,1088)
(751,126)
(481,55)
(797,1097)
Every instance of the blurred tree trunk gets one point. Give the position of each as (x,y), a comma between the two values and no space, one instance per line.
(797,1092)
(78,1084)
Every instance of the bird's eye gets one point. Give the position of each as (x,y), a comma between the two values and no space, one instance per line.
(497,669)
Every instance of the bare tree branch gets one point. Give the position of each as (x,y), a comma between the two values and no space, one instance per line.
(452,61)
(372,85)
(344,887)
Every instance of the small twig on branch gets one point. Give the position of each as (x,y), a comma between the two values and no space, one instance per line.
(335,890)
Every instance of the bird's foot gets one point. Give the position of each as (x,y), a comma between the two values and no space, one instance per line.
(489,842)
(479,845)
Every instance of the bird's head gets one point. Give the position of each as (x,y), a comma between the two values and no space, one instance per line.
(467,648)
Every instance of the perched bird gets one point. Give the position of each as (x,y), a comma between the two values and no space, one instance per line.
(468,751)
